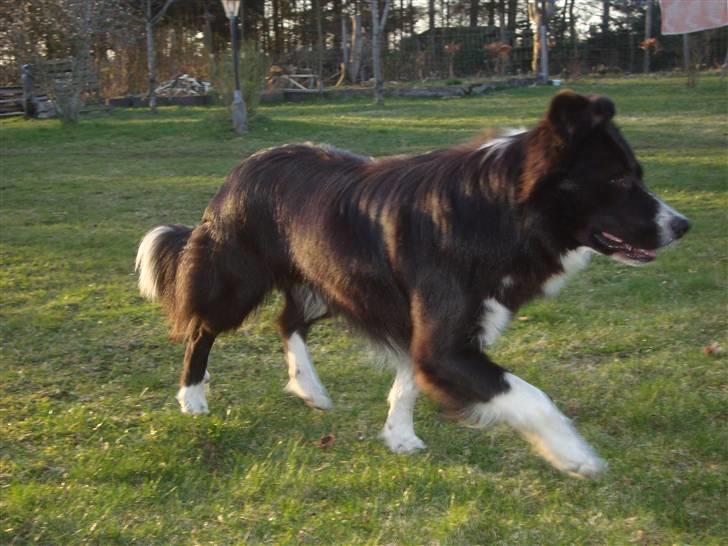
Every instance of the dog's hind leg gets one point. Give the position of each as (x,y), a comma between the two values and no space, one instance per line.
(216,290)
(191,395)
(399,431)
(302,308)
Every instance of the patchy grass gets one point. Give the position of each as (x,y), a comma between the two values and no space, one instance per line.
(94,450)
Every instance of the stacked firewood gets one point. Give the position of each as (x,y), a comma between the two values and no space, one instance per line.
(183,86)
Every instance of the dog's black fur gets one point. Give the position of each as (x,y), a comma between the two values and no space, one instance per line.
(408,248)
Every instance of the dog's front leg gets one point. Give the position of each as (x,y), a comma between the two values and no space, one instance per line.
(450,366)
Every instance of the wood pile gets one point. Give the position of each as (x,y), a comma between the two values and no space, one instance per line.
(59,79)
(11,101)
(183,86)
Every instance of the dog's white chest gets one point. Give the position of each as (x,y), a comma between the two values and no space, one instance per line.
(572,262)
(493,321)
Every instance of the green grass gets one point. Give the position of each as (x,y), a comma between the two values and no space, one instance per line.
(93,448)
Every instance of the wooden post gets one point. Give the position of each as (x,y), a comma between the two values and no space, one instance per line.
(26,77)
(690,69)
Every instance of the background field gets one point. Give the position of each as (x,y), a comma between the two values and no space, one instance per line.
(93,448)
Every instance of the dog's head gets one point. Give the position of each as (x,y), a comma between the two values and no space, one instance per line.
(581,169)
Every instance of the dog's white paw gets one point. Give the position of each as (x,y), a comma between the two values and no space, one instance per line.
(314,395)
(570,453)
(192,399)
(401,442)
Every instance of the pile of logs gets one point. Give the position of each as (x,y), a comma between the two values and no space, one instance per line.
(12,102)
(184,86)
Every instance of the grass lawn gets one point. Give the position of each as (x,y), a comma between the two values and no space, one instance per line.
(93,448)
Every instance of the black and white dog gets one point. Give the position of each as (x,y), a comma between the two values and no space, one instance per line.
(428,255)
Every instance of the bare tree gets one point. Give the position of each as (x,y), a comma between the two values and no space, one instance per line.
(58,38)
(512,15)
(357,48)
(539,12)
(152,12)
(648,36)
(474,12)
(605,16)
(377,27)
(344,53)
(319,44)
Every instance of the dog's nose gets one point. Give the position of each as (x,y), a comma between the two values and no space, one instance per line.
(680,226)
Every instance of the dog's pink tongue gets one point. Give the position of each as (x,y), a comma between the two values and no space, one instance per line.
(612,237)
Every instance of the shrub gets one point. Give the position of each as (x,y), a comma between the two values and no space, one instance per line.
(253,69)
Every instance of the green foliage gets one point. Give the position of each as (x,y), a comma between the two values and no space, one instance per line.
(93,448)
(253,69)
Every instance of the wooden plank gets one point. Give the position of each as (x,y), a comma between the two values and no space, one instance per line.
(294,82)
(303,91)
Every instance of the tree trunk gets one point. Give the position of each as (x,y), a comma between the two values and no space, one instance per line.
(344,53)
(278,29)
(630,36)
(648,35)
(502,20)
(512,13)
(207,38)
(474,9)
(151,63)
(534,15)
(572,26)
(431,27)
(356,48)
(605,17)
(336,13)
(319,44)
(377,27)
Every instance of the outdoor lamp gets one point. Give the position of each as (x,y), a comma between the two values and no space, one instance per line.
(240,117)
(231,8)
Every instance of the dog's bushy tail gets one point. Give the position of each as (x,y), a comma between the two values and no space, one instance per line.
(169,259)
(157,260)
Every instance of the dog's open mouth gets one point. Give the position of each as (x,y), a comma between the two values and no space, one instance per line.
(617,248)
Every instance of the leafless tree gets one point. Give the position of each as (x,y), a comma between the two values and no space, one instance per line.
(378,23)
(58,38)
(151,12)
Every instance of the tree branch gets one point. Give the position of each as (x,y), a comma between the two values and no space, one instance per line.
(161,12)
(383,19)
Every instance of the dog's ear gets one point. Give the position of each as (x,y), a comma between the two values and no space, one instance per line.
(574,115)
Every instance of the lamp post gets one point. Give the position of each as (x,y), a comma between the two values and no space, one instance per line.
(240,117)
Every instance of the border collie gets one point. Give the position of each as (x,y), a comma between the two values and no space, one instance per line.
(428,255)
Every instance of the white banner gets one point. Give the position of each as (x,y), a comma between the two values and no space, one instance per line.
(683,16)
